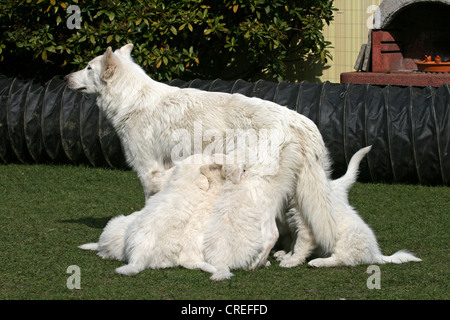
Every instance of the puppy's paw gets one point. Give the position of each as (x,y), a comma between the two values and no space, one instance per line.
(279,255)
(316,263)
(291,262)
(221,275)
(128,270)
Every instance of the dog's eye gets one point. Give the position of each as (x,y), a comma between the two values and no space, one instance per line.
(89,68)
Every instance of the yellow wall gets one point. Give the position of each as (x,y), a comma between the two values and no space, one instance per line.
(347,33)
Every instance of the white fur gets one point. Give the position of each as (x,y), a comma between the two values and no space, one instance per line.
(215,225)
(356,243)
(242,228)
(146,114)
(168,232)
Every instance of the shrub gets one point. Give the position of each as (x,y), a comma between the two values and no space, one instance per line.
(183,39)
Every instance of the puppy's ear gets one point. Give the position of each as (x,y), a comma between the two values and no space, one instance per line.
(219,158)
(236,174)
(109,64)
(205,170)
(223,173)
(202,182)
(233,172)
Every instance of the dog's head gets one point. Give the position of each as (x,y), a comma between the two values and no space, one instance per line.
(99,71)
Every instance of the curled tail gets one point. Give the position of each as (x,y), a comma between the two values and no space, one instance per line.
(342,185)
(401,256)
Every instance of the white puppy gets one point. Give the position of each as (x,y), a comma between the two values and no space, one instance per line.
(242,229)
(356,243)
(166,232)
(111,244)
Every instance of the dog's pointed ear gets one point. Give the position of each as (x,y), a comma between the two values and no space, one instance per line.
(125,51)
(109,64)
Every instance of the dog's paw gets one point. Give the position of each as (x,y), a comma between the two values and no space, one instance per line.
(89,246)
(291,262)
(221,275)
(279,255)
(316,263)
(128,270)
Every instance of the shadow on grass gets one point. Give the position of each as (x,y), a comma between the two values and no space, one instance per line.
(98,223)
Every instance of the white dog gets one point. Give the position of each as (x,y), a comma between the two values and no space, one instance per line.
(242,229)
(356,243)
(148,116)
(211,225)
(168,232)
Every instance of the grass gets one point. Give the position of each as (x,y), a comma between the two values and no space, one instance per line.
(47,211)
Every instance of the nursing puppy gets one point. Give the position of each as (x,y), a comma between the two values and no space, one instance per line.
(168,231)
(150,117)
(242,229)
(111,244)
(356,242)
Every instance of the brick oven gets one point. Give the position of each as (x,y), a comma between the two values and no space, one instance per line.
(409,45)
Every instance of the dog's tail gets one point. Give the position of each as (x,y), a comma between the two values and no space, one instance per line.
(89,246)
(342,185)
(401,256)
(314,199)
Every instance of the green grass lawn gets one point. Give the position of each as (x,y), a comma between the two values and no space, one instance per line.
(47,211)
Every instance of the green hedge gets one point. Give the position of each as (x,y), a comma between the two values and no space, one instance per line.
(183,39)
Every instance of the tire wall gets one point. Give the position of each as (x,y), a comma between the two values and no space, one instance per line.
(408,127)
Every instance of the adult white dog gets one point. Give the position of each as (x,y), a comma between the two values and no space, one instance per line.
(356,242)
(148,117)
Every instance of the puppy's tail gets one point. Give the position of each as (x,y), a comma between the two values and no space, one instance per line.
(401,256)
(89,246)
(344,183)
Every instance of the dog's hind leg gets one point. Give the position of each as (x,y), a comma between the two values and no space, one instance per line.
(270,236)
(129,270)
(325,262)
(304,242)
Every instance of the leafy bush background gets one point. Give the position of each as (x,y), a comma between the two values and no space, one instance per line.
(183,39)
